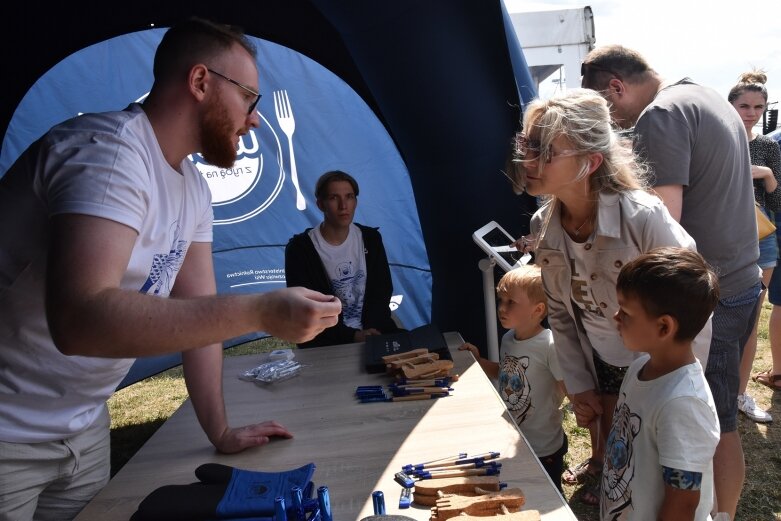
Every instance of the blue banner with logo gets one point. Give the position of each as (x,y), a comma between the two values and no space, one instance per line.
(268,195)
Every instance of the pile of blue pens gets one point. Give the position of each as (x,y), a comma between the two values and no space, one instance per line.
(450,467)
(405,390)
(304,509)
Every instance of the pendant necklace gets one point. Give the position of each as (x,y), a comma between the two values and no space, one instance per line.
(577,231)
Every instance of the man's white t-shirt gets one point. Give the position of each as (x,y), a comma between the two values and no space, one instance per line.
(105,165)
(345,265)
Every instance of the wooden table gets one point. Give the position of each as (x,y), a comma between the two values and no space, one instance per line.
(357,447)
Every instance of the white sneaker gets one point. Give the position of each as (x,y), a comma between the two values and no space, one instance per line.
(747,406)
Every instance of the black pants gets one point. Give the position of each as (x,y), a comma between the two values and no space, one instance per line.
(554,464)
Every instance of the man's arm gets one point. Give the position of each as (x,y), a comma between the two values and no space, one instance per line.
(203,366)
(88,313)
(672,197)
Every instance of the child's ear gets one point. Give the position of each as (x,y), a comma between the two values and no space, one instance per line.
(667,327)
(540,310)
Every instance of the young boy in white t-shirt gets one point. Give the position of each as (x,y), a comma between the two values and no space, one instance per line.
(658,460)
(528,376)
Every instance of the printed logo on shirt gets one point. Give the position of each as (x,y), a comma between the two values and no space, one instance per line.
(165,266)
(514,386)
(349,288)
(581,291)
(619,463)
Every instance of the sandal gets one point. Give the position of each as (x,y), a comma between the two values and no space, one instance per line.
(768,379)
(582,472)
(590,495)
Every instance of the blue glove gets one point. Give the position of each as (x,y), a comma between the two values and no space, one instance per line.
(224,492)
(252,493)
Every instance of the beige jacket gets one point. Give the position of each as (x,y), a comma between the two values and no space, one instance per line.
(628,224)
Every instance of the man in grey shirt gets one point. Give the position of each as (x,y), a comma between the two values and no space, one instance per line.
(697,149)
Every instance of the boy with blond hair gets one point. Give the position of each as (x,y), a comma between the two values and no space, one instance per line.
(528,374)
(659,454)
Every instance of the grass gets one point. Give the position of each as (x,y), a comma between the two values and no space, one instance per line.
(137,411)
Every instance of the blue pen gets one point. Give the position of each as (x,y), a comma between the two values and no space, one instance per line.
(403,479)
(434,462)
(405,498)
(279,509)
(405,398)
(369,394)
(438,382)
(484,456)
(297,503)
(402,391)
(439,470)
(324,501)
(378,502)
(368,389)
(485,471)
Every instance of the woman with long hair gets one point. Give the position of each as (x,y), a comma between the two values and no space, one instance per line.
(598,214)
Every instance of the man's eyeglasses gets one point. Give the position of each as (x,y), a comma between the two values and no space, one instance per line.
(257,95)
(531,150)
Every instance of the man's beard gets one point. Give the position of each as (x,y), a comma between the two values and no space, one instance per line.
(217,140)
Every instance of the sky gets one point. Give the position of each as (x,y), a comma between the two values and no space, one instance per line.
(712,42)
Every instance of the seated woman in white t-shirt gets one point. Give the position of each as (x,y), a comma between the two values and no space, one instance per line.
(343,259)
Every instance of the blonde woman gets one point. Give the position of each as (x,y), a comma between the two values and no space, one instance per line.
(598,215)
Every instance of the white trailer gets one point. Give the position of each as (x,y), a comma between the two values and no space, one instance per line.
(554,41)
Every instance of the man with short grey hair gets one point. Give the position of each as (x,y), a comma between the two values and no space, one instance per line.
(696,147)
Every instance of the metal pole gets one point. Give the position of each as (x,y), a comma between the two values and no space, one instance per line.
(489,296)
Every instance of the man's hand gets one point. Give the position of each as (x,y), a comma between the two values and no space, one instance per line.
(298,314)
(240,438)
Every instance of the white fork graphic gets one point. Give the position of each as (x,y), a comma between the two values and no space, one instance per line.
(288,125)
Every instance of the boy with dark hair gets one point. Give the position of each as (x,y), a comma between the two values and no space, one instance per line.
(665,427)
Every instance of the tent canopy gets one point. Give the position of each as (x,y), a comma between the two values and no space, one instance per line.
(445,79)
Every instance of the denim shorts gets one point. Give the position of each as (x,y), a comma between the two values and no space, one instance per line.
(768,252)
(733,320)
